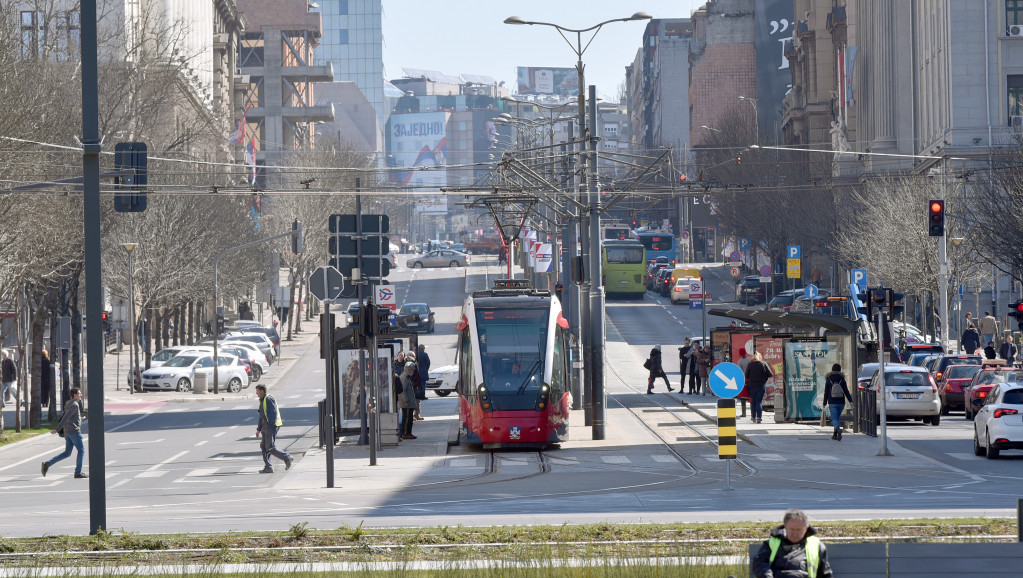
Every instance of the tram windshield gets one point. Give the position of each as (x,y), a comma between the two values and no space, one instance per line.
(513,344)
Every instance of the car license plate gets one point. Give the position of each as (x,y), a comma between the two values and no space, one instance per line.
(907,396)
(413,324)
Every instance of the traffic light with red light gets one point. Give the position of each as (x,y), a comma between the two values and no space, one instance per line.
(1016,312)
(936,218)
(738,160)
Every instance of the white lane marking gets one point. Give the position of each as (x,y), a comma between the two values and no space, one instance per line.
(151,474)
(962,456)
(204,472)
(462,463)
(218,434)
(664,458)
(770,457)
(166,461)
(135,443)
(822,458)
(202,443)
(615,460)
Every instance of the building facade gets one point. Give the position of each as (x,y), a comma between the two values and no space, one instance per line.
(276,54)
(352,43)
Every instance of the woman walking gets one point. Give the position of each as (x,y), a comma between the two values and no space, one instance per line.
(757,374)
(836,391)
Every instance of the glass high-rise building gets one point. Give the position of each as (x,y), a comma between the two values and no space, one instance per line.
(353,42)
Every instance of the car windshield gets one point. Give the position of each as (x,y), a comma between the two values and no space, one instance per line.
(782,300)
(989,377)
(908,378)
(181,361)
(512,344)
(165,354)
(412,309)
(962,371)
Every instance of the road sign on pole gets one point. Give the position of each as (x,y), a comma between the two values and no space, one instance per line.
(726,380)
(385,297)
(734,271)
(326,283)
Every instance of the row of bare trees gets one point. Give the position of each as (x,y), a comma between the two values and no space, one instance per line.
(189,219)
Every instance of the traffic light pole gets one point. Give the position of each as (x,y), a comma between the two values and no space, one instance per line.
(943,292)
(883,451)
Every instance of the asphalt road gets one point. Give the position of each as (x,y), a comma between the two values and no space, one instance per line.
(177,465)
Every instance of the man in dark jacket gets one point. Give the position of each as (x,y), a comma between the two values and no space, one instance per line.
(970,340)
(836,391)
(1008,351)
(653,365)
(792,551)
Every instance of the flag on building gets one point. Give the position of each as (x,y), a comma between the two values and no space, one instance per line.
(237,136)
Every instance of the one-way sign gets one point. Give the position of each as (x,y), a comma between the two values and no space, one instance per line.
(326,283)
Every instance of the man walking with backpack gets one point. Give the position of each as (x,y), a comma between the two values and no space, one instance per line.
(270,423)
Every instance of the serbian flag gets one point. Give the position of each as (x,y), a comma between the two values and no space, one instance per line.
(237,136)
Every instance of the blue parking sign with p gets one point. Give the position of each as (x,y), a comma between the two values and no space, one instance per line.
(858,277)
(794,252)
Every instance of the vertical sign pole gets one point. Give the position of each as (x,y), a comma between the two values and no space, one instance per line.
(728,448)
(882,393)
(327,331)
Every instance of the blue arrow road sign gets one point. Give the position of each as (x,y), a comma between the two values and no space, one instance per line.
(726,380)
(810,291)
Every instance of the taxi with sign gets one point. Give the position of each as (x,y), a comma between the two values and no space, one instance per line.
(683,288)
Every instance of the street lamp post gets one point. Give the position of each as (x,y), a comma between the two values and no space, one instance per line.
(593,355)
(756,116)
(132,336)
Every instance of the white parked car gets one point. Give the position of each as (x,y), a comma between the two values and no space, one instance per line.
(909,392)
(178,374)
(442,379)
(998,424)
(255,354)
(258,339)
(165,354)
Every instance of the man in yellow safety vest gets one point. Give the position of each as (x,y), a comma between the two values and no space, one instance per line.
(792,551)
(270,423)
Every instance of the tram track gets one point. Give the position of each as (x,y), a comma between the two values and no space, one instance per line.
(673,412)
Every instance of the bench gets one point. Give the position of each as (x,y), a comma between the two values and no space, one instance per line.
(919,560)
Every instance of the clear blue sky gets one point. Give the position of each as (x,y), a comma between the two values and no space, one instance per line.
(469,36)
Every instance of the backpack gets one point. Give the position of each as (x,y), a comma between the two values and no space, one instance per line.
(836,388)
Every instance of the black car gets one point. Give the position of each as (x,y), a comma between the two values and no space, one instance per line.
(664,281)
(652,270)
(750,291)
(417,316)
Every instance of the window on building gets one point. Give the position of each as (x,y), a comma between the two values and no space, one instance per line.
(33,34)
(342,36)
(1014,85)
(1013,12)
(342,7)
(67,37)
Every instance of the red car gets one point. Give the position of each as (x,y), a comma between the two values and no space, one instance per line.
(950,388)
(975,394)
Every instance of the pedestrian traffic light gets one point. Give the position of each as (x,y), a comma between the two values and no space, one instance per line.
(220,324)
(936,218)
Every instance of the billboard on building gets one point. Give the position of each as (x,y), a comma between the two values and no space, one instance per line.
(415,142)
(548,80)
(773,22)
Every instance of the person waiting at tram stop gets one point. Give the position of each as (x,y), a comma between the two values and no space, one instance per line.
(793,551)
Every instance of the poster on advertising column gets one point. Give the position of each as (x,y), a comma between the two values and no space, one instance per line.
(351,384)
(772,347)
(806,365)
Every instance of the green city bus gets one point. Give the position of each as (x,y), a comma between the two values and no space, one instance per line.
(624,266)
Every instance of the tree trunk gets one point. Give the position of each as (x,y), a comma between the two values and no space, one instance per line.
(32,395)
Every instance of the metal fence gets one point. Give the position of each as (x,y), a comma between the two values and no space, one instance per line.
(866,411)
